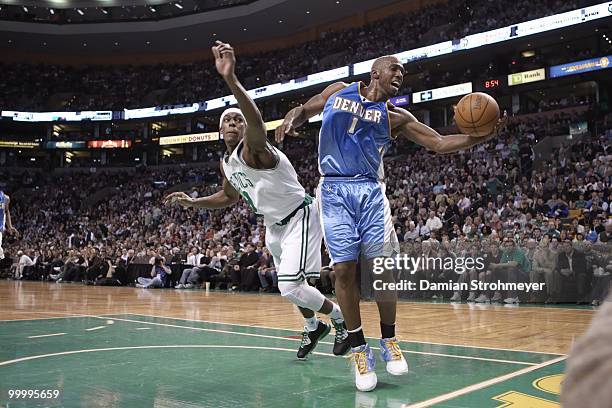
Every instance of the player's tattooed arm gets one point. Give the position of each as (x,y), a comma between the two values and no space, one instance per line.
(225,62)
(297,116)
(223,198)
(404,124)
(9,223)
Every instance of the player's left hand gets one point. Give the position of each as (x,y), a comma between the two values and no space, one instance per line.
(225,59)
(501,123)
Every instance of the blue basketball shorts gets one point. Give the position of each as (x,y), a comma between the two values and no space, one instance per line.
(356,218)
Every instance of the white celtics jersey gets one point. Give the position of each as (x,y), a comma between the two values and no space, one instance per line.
(274,193)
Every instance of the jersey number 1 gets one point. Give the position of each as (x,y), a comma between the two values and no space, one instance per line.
(353,125)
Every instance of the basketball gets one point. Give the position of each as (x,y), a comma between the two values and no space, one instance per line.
(477,114)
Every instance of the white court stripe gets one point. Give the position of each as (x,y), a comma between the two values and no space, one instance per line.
(322,342)
(181,346)
(401,341)
(143,328)
(40,318)
(46,335)
(95,328)
(465,357)
(481,385)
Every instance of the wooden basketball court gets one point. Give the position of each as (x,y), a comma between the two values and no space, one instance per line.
(124,347)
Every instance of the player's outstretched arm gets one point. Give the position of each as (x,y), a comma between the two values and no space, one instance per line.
(409,127)
(221,199)
(225,62)
(9,223)
(297,116)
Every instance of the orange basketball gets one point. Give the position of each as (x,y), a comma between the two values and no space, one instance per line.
(477,114)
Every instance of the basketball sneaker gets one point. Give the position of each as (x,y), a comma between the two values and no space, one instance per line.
(341,343)
(311,338)
(365,362)
(392,354)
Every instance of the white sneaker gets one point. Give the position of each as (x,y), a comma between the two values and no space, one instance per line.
(365,362)
(179,286)
(482,299)
(392,354)
(472,297)
(188,286)
(497,297)
(511,300)
(138,285)
(456,297)
(54,277)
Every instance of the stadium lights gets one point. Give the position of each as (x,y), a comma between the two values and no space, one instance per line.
(178,5)
(104,11)
(528,53)
(153,9)
(80,12)
(51,11)
(25,9)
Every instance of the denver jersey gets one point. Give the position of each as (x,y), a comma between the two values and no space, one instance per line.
(354,135)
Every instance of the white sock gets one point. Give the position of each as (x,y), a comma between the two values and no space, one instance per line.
(311,323)
(336,313)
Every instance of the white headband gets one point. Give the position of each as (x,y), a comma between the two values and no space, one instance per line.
(228,111)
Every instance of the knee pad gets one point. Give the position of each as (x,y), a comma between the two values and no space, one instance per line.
(302,294)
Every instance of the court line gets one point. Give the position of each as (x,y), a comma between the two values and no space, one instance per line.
(64,353)
(45,335)
(321,342)
(481,385)
(401,341)
(95,328)
(41,318)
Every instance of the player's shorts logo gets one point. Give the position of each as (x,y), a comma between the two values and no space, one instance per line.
(604,61)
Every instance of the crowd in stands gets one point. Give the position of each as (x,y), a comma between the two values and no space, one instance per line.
(531,219)
(118,87)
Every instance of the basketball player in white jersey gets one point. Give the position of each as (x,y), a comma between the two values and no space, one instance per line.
(264,177)
(5,220)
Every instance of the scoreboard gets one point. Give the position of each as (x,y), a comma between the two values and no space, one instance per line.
(490,84)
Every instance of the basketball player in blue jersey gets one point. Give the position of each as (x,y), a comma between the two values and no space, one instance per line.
(266,180)
(6,223)
(358,126)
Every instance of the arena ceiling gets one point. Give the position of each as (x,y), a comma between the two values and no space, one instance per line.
(254,21)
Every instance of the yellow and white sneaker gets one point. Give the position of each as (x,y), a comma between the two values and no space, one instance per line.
(392,354)
(365,362)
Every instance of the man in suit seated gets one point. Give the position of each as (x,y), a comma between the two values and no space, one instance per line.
(572,267)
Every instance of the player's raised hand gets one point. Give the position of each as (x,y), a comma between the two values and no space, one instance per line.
(225,59)
(501,123)
(178,198)
(286,128)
